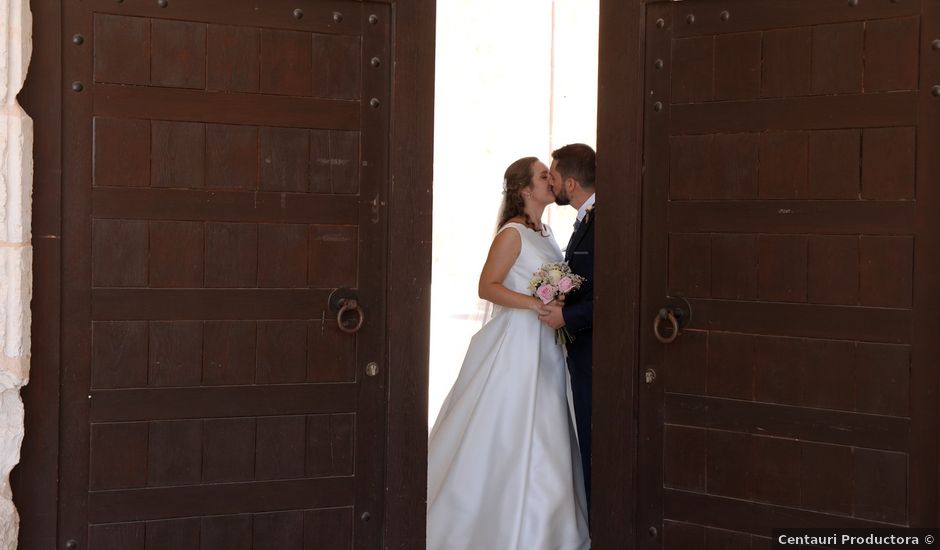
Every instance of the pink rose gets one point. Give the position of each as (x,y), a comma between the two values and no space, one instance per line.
(546,293)
(565,285)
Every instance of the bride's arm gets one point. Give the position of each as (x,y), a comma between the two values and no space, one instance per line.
(503,253)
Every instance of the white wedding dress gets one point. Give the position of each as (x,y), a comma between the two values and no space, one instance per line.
(504,472)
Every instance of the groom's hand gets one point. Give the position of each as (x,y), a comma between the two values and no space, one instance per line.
(553,317)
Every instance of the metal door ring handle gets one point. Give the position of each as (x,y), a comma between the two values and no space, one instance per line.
(349,304)
(668,315)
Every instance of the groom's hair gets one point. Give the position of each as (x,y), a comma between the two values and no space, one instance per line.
(577,161)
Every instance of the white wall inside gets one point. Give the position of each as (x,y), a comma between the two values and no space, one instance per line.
(513,79)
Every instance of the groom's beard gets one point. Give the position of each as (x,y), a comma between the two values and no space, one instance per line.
(562,200)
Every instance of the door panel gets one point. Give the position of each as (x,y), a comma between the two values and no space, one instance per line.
(225,167)
(786,204)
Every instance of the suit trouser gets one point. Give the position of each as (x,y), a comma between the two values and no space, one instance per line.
(581,393)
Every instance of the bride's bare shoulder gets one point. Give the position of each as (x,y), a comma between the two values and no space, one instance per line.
(507,236)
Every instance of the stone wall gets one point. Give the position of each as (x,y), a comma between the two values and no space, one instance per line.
(16,171)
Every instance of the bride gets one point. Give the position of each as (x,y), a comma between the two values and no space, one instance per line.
(504,470)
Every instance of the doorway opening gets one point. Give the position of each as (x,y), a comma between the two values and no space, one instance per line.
(521,84)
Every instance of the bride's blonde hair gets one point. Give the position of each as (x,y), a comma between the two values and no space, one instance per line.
(517,177)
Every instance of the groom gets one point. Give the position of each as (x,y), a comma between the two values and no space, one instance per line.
(572,180)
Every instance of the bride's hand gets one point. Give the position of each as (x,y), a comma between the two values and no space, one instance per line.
(538,307)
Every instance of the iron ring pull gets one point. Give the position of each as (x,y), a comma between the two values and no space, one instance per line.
(666,315)
(349,304)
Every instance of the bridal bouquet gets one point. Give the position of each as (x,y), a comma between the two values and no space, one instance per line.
(552,280)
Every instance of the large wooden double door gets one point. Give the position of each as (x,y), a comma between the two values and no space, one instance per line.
(790,203)
(226,167)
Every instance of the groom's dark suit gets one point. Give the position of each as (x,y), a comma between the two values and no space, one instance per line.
(579,318)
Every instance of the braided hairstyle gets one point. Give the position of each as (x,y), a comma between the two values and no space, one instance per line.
(517,177)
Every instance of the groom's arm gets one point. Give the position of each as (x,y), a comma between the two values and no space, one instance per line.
(579,316)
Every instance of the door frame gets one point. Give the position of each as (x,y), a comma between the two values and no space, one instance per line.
(620,107)
(409,206)
(408,327)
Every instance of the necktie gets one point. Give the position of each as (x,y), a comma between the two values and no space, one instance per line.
(577,224)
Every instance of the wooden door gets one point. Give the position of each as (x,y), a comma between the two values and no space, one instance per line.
(226,167)
(790,201)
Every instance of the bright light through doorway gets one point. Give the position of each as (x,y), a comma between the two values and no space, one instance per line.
(513,79)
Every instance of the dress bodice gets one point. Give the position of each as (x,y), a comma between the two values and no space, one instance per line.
(537,249)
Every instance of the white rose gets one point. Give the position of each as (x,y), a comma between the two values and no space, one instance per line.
(554,276)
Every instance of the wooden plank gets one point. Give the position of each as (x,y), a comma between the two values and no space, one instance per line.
(282,255)
(826,479)
(891,54)
(749,517)
(747,15)
(409,213)
(652,264)
(682,536)
(282,352)
(175,453)
(738,66)
(834,164)
(280,447)
(220,402)
(122,50)
(803,113)
(119,536)
(75,375)
(180,534)
(228,498)
(685,454)
(338,65)
(693,73)
(176,254)
(177,155)
(229,532)
(286,62)
(232,156)
(208,304)
(275,14)
(178,54)
(838,58)
(229,449)
(786,64)
(887,266)
(892,326)
(224,108)
(809,424)
(329,528)
(370,171)
(241,206)
(231,255)
(175,357)
(734,266)
(924,493)
(793,217)
(881,486)
(233,61)
(615,344)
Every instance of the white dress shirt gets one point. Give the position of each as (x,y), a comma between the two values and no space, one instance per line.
(583,210)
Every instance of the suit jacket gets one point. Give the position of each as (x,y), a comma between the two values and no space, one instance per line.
(579,305)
